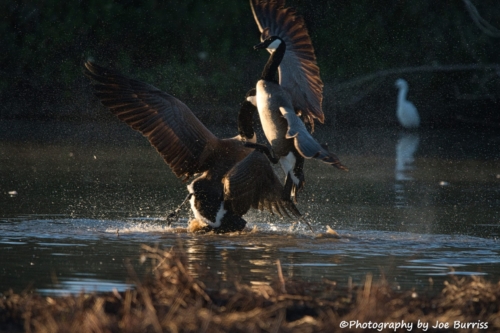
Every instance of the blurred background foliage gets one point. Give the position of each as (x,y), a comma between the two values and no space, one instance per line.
(201,51)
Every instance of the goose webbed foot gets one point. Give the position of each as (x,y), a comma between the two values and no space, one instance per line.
(265,150)
(175,213)
(336,162)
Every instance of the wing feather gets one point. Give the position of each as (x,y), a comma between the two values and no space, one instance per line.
(251,183)
(170,126)
(298,71)
(305,144)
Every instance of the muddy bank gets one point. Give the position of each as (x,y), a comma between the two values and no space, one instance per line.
(171,299)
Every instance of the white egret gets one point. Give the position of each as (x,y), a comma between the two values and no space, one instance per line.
(406,112)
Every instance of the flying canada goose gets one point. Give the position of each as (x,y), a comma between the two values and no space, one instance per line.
(232,178)
(299,90)
(406,112)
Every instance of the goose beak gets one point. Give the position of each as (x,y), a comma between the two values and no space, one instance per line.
(260,46)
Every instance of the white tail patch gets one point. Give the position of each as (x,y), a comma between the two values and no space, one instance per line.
(287,164)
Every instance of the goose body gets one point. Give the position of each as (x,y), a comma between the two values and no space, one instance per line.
(299,91)
(270,97)
(230,177)
(406,112)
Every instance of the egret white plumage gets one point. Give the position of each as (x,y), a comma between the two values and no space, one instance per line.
(406,112)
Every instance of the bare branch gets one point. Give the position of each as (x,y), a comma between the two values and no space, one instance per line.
(418,69)
(481,23)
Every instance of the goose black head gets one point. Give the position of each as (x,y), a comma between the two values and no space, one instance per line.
(251,92)
(271,43)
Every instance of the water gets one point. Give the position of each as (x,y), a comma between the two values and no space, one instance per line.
(75,209)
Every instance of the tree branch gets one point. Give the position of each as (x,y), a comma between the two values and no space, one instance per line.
(481,23)
(418,69)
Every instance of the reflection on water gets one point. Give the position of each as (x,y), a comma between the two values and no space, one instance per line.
(82,209)
(95,260)
(405,150)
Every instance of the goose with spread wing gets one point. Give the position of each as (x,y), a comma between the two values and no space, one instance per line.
(230,177)
(299,91)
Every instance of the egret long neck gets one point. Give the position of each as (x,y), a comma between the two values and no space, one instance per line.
(402,94)
(269,73)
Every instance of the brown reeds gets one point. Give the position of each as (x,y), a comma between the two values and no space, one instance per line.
(172,300)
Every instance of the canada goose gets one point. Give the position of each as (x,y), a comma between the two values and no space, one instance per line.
(406,112)
(298,92)
(233,178)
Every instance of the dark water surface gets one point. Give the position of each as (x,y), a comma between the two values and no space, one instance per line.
(76,207)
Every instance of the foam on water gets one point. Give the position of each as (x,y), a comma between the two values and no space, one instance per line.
(78,285)
(77,228)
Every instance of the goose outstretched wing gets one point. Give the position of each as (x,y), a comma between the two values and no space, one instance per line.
(181,139)
(298,71)
(305,144)
(252,183)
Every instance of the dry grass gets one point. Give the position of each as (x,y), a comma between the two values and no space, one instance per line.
(172,300)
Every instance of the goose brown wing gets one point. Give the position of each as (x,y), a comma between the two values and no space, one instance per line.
(298,71)
(251,183)
(169,125)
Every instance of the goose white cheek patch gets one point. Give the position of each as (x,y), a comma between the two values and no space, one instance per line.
(252,99)
(197,214)
(274,45)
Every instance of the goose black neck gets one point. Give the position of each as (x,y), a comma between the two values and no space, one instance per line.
(245,120)
(269,73)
